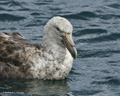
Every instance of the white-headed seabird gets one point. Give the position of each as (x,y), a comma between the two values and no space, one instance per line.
(53,59)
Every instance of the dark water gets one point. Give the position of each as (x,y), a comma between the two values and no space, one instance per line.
(96,71)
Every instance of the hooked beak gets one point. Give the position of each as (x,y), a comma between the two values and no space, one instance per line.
(68,42)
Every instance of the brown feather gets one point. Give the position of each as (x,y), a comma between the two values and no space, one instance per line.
(14,52)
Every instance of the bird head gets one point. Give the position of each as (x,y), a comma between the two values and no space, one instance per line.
(62,29)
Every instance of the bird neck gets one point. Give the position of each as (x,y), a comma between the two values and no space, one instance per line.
(51,39)
(53,44)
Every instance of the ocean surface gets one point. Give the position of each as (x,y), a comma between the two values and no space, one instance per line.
(96,71)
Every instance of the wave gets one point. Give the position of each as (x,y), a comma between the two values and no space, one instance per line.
(82,15)
(110,80)
(4,2)
(110,37)
(97,53)
(108,16)
(117,6)
(85,92)
(9,17)
(89,31)
(86,15)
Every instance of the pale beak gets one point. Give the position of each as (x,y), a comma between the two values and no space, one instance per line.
(68,42)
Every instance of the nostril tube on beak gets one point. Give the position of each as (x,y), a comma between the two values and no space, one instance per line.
(68,42)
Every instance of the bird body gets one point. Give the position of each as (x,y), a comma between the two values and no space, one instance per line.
(21,58)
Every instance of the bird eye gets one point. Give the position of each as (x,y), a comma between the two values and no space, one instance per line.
(68,33)
(58,29)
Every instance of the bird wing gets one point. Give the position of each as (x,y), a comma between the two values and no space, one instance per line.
(15,53)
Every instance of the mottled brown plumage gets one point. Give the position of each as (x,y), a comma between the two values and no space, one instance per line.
(14,54)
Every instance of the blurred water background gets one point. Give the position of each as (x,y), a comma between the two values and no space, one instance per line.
(96,71)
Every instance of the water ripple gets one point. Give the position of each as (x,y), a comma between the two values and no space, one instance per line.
(108,81)
(110,37)
(1,9)
(97,53)
(86,92)
(84,15)
(109,16)
(117,6)
(4,2)
(9,17)
(35,13)
(89,31)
